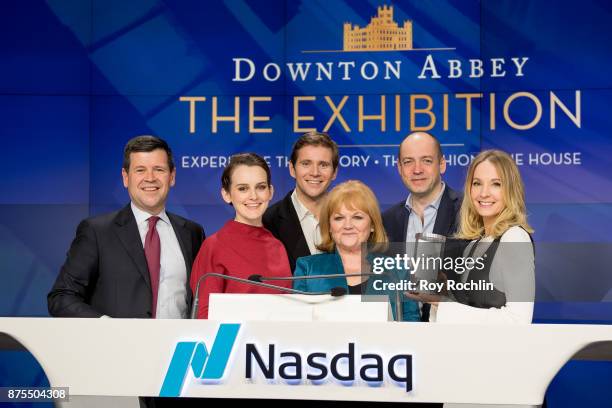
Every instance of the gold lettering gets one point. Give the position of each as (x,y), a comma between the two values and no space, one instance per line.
(336,110)
(382,117)
(192,108)
(468,107)
(445,110)
(492,111)
(253,118)
(426,110)
(398,119)
(296,114)
(554,101)
(216,118)
(535,120)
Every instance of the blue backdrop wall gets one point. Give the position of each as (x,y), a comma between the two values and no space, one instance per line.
(79,78)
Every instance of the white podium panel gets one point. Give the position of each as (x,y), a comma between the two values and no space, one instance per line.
(416,362)
(298,308)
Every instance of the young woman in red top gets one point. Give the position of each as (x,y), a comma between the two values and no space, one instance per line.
(242,247)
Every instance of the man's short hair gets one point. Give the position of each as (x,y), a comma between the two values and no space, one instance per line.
(435,139)
(316,139)
(147,144)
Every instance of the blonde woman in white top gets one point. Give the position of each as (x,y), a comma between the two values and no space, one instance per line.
(493,217)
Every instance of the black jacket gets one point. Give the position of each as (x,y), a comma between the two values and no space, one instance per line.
(106,271)
(395,219)
(282,221)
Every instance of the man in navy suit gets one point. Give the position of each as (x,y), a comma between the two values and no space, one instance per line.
(135,262)
(432,206)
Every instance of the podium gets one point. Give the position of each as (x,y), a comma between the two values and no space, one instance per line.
(256,359)
(299,308)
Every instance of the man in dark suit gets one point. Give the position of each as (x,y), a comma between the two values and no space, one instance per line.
(431,206)
(135,262)
(294,220)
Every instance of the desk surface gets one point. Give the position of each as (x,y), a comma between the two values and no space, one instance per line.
(451,363)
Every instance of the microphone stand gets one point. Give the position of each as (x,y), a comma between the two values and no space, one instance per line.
(335,292)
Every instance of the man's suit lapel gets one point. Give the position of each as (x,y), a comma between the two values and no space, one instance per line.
(446,212)
(126,229)
(292,228)
(404,214)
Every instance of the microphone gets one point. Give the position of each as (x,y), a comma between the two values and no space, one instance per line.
(335,292)
(261,278)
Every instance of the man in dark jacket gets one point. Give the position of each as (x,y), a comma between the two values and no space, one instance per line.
(431,206)
(294,220)
(135,262)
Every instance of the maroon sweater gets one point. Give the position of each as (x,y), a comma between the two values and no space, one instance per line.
(238,250)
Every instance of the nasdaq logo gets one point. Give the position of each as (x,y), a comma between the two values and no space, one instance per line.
(317,367)
(204,365)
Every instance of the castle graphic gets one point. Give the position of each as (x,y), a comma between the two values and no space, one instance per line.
(382,34)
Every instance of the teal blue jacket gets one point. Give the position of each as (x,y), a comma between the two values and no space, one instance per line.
(331,264)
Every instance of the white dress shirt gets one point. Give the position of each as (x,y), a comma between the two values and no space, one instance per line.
(309,223)
(172,294)
(430,213)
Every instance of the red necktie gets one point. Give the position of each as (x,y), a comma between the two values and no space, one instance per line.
(152,250)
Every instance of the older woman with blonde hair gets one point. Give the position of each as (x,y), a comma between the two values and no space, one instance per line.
(493,217)
(350,217)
